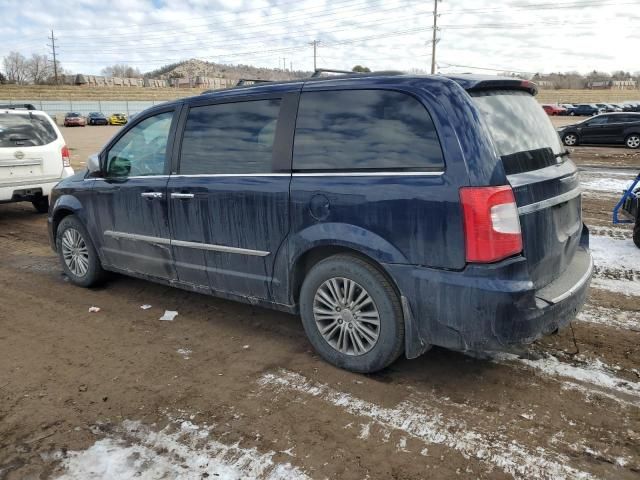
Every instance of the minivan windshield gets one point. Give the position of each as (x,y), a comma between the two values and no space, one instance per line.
(25,130)
(516,122)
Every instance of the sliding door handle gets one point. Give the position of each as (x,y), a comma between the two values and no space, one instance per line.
(182,196)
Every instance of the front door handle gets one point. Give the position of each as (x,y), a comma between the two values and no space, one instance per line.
(182,196)
(152,194)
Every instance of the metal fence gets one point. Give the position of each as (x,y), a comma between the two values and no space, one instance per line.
(58,108)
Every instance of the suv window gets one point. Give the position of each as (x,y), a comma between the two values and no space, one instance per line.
(142,150)
(230,138)
(25,130)
(364,130)
(600,120)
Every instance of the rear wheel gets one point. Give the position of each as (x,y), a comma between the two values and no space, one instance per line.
(41,204)
(77,254)
(570,139)
(351,314)
(633,141)
(636,232)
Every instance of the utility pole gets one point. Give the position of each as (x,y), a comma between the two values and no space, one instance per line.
(55,61)
(315,53)
(434,40)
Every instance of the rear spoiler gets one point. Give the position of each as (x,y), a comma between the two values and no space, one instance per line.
(504,84)
(18,106)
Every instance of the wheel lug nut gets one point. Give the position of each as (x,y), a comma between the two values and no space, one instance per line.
(338,309)
(339,322)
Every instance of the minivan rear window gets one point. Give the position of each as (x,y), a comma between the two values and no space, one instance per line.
(516,122)
(362,130)
(25,130)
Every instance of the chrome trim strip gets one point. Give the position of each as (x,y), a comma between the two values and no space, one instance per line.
(577,285)
(182,243)
(232,175)
(549,202)
(135,236)
(543,174)
(27,163)
(369,174)
(182,196)
(219,248)
(152,194)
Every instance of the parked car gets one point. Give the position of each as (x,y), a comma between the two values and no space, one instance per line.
(389,217)
(585,109)
(631,107)
(33,156)
(607,129)
(554,109)
(616,107)
(97,118)
(73,119)
(118,119)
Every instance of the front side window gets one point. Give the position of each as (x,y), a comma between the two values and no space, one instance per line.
(142,150)
(230,138)
(25,130)
(601,120)
(364,130)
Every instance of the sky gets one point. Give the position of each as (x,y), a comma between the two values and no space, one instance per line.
(526,36)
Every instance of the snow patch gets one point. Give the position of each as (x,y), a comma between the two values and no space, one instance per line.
(607,185)
(611,317)
(625,287)
(614,254)
(436,427)
(186,454)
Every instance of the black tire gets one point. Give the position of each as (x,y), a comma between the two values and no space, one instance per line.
(41,204)
(636,232)
(569,144)
(94,272)
(390,341)
(632,141)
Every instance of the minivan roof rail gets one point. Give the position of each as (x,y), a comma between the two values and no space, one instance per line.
(244,81)
(18,106)
(319,71)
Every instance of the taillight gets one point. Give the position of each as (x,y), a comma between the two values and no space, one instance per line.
(491,223)
(66,157)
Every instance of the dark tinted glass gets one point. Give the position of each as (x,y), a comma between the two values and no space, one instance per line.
(230,138)
(25,130)
(600,120)
(364,130)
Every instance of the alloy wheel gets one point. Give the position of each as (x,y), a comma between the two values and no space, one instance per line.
(346,316)
(633,141)
(570,140)
(75,252)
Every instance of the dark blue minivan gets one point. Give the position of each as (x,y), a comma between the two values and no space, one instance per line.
(392,212)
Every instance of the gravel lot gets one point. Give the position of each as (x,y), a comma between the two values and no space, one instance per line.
(233,391)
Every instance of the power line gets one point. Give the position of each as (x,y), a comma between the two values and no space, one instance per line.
(53,52)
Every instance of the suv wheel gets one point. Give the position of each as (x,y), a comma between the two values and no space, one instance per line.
(77,254)
(570,139)
(41,204)
(633,141)
(636,232)
(351,314)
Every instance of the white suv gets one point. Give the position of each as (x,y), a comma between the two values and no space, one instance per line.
(33,156)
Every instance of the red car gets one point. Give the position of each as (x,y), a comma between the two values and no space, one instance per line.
(74,120)
(554,110)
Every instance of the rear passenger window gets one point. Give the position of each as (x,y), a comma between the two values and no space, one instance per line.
(364,130)
(230,138)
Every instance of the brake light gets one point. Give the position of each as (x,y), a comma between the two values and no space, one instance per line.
(491,223)
(66,157)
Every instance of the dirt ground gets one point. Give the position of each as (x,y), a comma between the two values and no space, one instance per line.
(228,390)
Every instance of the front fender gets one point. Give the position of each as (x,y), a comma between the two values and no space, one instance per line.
(64,205)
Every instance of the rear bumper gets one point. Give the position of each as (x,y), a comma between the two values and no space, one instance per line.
(489,307)
(13,191)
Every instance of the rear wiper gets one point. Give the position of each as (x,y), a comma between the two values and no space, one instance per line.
(566,153)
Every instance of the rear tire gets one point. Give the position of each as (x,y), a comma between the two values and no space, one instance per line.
(77,254)
(632,141)
(41,204)
(636,232)
(352,314)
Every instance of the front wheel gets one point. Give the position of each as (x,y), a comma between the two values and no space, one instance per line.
(41,204)
(352,314)
(633,141)
(570,139)
(77,254)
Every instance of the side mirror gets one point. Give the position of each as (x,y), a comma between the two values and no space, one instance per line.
(93,164)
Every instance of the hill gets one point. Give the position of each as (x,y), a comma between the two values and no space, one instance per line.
(199,68)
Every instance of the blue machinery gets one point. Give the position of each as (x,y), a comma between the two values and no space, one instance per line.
(629,204)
